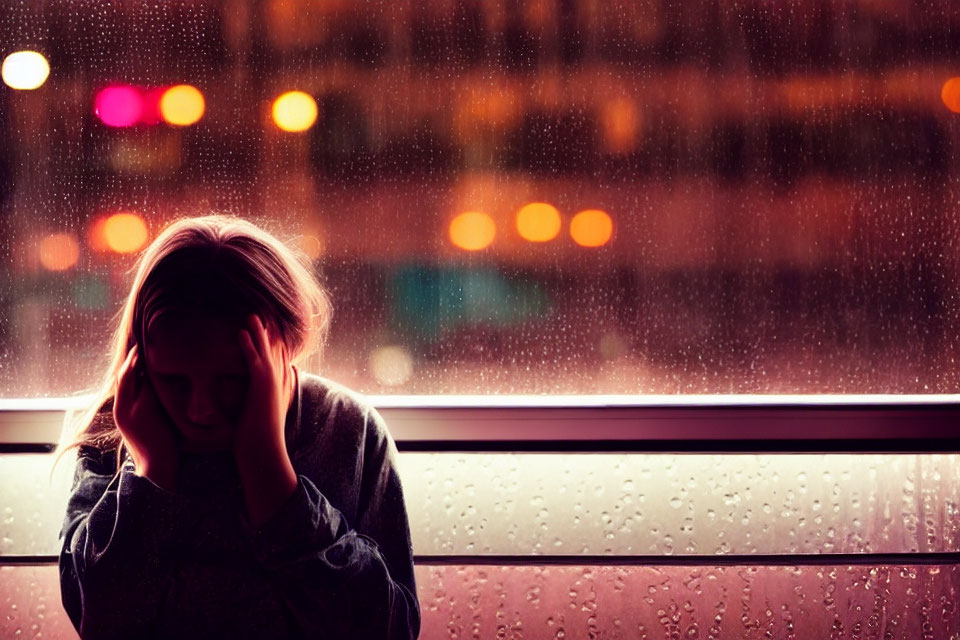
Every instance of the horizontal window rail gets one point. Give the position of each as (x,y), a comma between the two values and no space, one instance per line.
(690,560)
(775,424)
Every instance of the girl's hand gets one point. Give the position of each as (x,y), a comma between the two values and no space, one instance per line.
(142,422)
(259,448)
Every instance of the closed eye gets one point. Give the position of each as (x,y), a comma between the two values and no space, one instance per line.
(172,379)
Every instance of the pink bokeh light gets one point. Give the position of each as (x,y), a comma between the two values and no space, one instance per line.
(150,111)
(119,106)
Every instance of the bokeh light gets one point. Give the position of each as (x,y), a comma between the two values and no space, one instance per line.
(613,346)
(311,245)
(538,222)
(150,109)
(295,111)
(59,252)
(472,230)
(391,366)
(25,70)
(182,105)
(620,125)
(950,94)
(97,235)
(125,232)
(591,228)
(118,106)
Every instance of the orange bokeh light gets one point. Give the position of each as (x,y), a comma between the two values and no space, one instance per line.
(591,228)
(182,105)
(96,236)
(950,94)
(59,252)
(620,121)
(125,232)
(538,222)
(311,245)
(472,231)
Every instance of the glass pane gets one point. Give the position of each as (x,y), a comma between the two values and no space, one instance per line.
(616,504)
(581,196)
(30,601)
(690,602)
(754,602)
(638,504)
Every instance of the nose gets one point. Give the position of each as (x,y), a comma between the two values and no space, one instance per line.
(201,408)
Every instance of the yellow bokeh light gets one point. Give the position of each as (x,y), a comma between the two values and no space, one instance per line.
(25,70)
(950,94)
(182,105)
(538,222)
(591,228)
(59,252)
(295,111)
(125,232)
(472,230)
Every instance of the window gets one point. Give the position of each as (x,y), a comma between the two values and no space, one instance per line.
(534,197)
(594,202)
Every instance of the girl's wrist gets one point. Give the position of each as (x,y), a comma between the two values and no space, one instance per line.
(162,475)
(268,479)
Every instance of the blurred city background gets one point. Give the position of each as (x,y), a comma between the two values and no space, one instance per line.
(505,196)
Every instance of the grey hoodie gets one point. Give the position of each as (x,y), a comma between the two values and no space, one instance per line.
(335,562)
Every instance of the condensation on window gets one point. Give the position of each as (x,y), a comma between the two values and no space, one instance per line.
(613,504)
(666,196)
(679,505)
(514,602)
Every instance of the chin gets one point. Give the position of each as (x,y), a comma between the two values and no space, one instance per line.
(193,446)
(205,439)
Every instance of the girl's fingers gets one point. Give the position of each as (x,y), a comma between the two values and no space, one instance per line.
(284,366)
(126,393)
(260,351)
(130,359)
(247,347)
(258,333)
(123,377)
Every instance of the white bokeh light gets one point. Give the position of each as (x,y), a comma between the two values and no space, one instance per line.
(25,70)
(391,365)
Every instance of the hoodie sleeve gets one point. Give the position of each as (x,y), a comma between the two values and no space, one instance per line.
(347,579)
(119,546)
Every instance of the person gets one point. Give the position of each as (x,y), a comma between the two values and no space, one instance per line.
(221,491)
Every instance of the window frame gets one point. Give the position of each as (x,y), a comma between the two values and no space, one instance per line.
(617,424)
(667,424)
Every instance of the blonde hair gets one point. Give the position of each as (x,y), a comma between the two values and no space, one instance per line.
(215,264)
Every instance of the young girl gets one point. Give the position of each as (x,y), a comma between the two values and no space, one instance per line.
(220,491)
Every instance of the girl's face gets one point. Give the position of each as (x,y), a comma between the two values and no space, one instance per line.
(198,371)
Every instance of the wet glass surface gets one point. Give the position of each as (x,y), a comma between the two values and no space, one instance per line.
(581,197)
(616,504)
(694,603)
